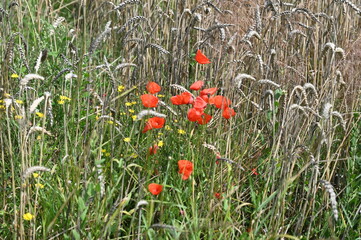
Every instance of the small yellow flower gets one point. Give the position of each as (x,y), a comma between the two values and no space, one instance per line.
(39,185)
(175,120)
(64,98)
(40,115)
(107,154)
(160,144)
(134,117)
(122,113)
(19,101)
(2,107)
(7,95)
(160,134)
(134,102)
(35,175)
(134,155)
(131,110)
(1,101)
(180,131)
(127,139)
(121,88)
(128,104)
(61,102)
(104,150)
(28,216)
(38,137)
(110,122)
(18,117)
(160,95)
(14,75)
(97,118)
(167,127)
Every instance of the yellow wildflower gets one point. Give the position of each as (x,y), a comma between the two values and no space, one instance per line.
(39,185)
(64,98)
(7,95)
(175,120)
(61,102)
(128,104)
(160,95)
(110,122)
(35,175)
(134,102)
(14,75)
(127,139)
(167,127)
(160,143)
(104,150)
(134,117)
(134,155)
(38,137)
(131,110)
(28,216)
(18,117)
(40,115)
(19,101)
(121,88)
(180,131)
(107,154)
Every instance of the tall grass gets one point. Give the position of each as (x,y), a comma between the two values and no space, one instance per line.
(76,165)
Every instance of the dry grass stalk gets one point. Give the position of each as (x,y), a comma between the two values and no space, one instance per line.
(144,113)
(329,188)
(33,169)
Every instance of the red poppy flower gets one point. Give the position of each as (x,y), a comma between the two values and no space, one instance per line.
(254,171)
(201,58)
(208,91)
(194,114)
(220,101)
(187,98)
(228,113)
(205,98)
(218,195)
(153,149)
(184,98)
(199,103)
(197,85)
(149,100)
(155,189)
(154,122)
(185,168)
(177,100)
(153,87)
(204,119)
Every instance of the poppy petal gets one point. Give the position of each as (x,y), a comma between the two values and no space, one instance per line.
(155,188)
(194,114)
(154,122)
(177,100)
(204,119)
(199,103)
(201,58)
(220,101)
(197,85)
(228,113)
(153,87)
(149,100)
(208,91)
(185,168)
